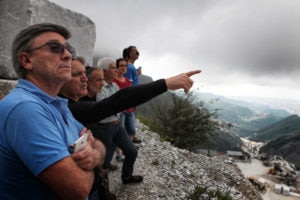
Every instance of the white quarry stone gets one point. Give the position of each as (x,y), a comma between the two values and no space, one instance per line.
(18,14)
(278,188)
(285,190)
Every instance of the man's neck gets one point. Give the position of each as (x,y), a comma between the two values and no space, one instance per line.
(90,94)
(50,89)
(69,96)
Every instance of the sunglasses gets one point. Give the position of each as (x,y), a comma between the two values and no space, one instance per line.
(56,47)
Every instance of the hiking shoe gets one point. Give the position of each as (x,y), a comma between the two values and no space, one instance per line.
(136,141)
(120,158)
(132,179)
(113,167)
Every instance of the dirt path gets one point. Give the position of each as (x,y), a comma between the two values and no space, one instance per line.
(258,170)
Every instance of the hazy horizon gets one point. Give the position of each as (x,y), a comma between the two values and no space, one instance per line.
(244,48)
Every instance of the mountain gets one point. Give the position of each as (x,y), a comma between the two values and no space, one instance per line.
(287,146)
(226,140)
(282,138)
(292,106)
(286,126)
(246,117)
(261,122)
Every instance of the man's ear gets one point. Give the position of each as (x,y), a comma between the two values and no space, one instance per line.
(24,58)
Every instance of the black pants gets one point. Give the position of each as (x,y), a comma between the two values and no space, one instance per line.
(113,135)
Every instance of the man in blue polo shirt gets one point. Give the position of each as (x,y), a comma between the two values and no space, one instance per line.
(37,130)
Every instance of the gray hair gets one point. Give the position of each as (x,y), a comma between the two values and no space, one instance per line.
(80,59)
(25,37)
(105,62)
(89,70)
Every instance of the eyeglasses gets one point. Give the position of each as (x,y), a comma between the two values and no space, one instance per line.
(56,47)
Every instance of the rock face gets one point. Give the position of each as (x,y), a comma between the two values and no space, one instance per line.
(172,173)
(18,14)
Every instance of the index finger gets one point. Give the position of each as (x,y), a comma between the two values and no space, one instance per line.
(191,73)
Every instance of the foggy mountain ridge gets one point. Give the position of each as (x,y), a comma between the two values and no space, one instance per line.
(245,116)
(257,103)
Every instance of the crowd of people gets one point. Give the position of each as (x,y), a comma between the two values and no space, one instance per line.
(58,99)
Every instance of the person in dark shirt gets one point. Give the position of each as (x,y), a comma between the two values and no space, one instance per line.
(109,130)
(88,112)
(91,112)
(95,83)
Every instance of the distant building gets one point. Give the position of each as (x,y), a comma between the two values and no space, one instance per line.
(207,152)
(236,155)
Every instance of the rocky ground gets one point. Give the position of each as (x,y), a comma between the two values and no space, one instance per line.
(171,173)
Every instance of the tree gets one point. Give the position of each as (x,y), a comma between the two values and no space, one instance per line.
(185,122)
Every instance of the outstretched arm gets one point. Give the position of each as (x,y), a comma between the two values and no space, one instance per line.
(88,112)
(92,112)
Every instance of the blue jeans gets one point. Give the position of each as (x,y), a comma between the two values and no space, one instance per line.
(127,119)
(113,135)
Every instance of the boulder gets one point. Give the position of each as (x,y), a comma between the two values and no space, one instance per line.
(18,14)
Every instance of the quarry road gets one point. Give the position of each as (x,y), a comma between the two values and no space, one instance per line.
(258,170)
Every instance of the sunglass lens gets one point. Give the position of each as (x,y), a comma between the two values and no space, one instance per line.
(56,47)
(59,48)
(71,50)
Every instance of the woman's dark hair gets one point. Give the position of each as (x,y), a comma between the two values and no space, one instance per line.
(126,52)
(118,61)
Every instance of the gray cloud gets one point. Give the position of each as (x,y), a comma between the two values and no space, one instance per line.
(246,42)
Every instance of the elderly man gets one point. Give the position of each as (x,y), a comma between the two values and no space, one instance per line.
(37,130)
(110,131)
(91,112)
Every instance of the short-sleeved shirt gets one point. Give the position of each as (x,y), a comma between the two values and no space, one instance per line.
(107,91)
(35,132)
(132,74)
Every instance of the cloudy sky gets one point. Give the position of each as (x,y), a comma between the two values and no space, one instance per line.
(244,48)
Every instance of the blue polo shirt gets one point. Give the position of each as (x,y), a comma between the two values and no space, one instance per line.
(35,132)
(132,74)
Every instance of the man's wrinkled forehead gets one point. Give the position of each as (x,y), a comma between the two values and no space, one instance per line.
(77,68)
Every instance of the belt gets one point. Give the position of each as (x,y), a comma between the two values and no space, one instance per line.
(113,122)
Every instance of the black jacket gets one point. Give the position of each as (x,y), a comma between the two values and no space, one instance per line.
(88,112)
